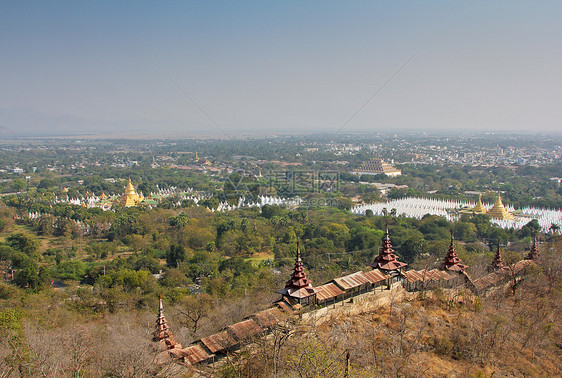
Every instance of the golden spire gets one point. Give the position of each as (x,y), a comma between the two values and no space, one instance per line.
(499,211)
(130,189)
(479,208)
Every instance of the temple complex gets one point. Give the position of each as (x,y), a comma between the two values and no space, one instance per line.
(386,260)
(299,297)
(499,211)
(479,208)
(377,167)
(452,260)
(130,198)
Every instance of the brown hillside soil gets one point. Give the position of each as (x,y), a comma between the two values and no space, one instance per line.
(440,333)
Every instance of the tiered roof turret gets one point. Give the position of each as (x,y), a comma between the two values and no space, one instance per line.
(534,252)
(386,259)
(452,260)
(299,280)
(162,332)
(497,262)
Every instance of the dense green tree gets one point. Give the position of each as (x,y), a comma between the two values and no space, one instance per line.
(25,243)
(175,255)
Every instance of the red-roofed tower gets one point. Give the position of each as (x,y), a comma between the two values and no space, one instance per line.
(452,260)
(386,259)
(497,262)
(534,252)
(298,279)
(162,332)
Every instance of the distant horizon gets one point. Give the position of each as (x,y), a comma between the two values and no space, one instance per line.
(279,67)
(202,135)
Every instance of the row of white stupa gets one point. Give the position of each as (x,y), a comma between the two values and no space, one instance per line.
(413,207)
(261,201)
(95,201)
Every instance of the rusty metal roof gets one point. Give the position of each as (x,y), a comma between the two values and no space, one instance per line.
(328,291)
(269,317)
(375,276)
(245,329)
(414,276)
(303,292)
(285,307)
(490,279)
(443,274)
(193,354)
(219,341)
(351,280)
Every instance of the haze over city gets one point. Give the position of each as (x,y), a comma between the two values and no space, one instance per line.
(226,68)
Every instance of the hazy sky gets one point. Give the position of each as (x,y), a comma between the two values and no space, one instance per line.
(280,65)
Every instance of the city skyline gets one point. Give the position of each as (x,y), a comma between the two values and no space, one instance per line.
(279,67)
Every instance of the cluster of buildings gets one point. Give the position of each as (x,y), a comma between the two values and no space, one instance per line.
(300,295)
(377,167)
(500,215)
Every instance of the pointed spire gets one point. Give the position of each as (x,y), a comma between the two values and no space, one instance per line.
(534,253)
(162,330)
(386,259)
(479,208)
(299,278)
(498,211)
(452,260)
(497,262)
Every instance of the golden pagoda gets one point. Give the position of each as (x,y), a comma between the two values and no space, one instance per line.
(479,208)
(131,198)
(499,211)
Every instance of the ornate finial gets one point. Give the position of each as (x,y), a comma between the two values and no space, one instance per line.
(452,235)
(298,250)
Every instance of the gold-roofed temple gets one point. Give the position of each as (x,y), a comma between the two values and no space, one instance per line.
(130,198)
(499,211)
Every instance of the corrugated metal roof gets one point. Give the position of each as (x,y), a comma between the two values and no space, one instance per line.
(490,279)
(245,329)
(328,291)
(219,341)
(285,307)
(193,354)
(413,276)
(442,275)
(303,292)
(352,280)
(269,317)
(375,276)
